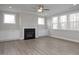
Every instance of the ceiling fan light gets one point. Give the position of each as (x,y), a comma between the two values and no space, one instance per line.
(39,10)
(10,6)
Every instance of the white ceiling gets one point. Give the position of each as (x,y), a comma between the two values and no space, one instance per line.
(32,8)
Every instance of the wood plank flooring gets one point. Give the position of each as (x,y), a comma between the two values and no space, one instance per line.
(41,46)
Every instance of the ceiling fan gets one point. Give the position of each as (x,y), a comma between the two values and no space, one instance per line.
(41,9)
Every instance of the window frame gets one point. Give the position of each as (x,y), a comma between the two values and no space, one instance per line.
(55,23)
(43,22)
(10,22)
(75,22)
(64,22)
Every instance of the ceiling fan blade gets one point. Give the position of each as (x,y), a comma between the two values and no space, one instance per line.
(40,8)
(46,9)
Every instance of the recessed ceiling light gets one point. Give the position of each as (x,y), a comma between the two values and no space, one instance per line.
(10,6)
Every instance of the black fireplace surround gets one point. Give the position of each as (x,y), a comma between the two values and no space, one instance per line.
(29,33)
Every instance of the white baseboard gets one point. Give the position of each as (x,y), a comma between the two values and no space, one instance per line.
(63,38)
(8,40)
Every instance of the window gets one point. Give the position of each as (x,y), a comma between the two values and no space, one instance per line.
(41,21)
(66,22)
(72,18)
(74,21)
(77,21)
(9,18)
(55,22)
(63,22)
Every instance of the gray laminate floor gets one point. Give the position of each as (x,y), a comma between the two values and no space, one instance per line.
(41,46)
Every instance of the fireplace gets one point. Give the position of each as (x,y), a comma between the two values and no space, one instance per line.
(29,33)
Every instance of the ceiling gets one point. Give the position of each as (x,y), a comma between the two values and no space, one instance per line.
(32,8)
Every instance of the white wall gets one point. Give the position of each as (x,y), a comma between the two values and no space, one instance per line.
(42,30)
(16,31)
(27,21)
(6,35)
(31,21)
(70,35)
(65,34)
(8,31)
